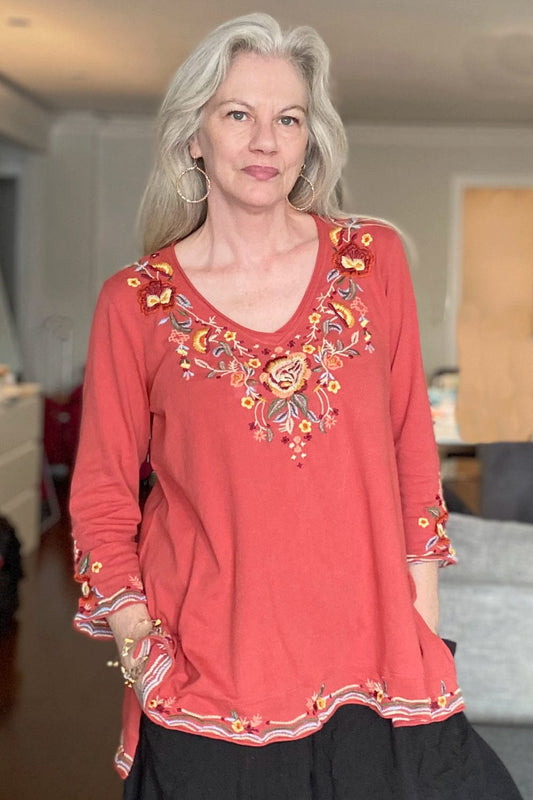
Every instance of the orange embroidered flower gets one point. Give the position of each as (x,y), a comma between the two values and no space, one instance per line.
(309,348)
(96,567)
(315,318)
(352,258)
(164,267)
(441,702)
(321,703)
(423,522)
(335,236)
(247,402)
(379,696)
(155,294)
(344,313)
(200,340)
(230,336)
(237,726)
(305,426)
(333,361)
(237,379)
(134,282)
(333,387)
(366,239)
(286,375)
(254,362)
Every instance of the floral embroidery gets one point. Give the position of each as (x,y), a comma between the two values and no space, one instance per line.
(290,390)
(316,702)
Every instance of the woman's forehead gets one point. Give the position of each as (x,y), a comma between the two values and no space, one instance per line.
(252,76)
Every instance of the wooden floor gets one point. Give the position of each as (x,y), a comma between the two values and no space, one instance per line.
(59,703)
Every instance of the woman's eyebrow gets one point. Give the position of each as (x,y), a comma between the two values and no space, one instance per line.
(236,101)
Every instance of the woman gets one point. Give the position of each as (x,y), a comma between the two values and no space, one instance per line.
(276,615)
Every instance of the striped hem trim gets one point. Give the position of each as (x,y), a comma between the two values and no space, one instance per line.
(95,623)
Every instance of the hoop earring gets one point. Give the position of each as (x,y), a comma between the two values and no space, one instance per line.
(207,183)
(311,185)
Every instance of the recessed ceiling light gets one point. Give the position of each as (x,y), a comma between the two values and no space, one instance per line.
(19,22)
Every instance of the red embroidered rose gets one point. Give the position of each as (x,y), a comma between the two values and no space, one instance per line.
(350,257)
(286,375)
(154,294)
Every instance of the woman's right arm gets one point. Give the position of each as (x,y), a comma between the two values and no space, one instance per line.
(113,443)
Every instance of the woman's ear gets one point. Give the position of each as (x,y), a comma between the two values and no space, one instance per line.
(194,147)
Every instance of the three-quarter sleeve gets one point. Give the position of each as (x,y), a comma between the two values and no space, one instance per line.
(423,507)
(114,439)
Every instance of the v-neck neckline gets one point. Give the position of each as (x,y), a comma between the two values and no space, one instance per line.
(304,306)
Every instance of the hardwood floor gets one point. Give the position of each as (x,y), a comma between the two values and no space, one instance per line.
(59,703)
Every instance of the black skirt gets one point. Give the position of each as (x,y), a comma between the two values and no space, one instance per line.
(357,755)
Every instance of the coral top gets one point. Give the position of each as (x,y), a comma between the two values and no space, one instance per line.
(297,475)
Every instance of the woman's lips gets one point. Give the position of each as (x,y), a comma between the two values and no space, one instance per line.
(261,173)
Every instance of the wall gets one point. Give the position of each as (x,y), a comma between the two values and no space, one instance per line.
(89,184)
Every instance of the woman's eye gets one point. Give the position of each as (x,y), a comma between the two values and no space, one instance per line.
(288,121)
(237,115)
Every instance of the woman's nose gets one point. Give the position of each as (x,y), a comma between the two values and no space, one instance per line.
(264,137)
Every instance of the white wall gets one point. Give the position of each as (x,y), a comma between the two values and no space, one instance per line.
(410,176)
(86,191)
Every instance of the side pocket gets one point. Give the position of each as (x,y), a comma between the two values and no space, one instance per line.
(161,656)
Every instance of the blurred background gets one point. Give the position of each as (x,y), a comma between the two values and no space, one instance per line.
(437,99)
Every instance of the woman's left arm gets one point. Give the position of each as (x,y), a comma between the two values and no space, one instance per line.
(423,508)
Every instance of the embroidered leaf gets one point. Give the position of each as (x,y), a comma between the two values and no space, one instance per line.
(300,400)
(434,511)
(227,349)
(282,417)
(203,364)
(275,407)
(293,409)
(312,416)
(317,369)
(287,426)
(332,274)
(162,321)
(442,688)
(322,425)
(218,351)
(222,365)
(352,353)
(339,345)
(325,326)
(182,300)
(84,566)
(335,326)
(182,327)
(212,373)
(270,434)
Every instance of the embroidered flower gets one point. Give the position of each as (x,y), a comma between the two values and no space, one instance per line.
(335,236)
(178,337)
(314,318)
(309,348)
(237,726)
(359,306)
(350,257)
(154,294)
(333,361)
(230,336)
(134,282)
(237,379)
(343,313)
(333,387)
(247,402)
(317,702)
(305,426)
(366,239)
(423,522)
(254,363)
(163,267)
(200,340)
(286,375)
(441,701)
(96,566)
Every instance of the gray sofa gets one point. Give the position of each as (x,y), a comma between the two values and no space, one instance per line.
(487,608)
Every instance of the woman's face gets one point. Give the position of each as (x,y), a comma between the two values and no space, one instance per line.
(253,133)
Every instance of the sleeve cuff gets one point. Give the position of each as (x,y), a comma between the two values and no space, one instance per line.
(93,609)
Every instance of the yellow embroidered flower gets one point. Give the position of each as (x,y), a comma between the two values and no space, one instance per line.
(200,340)
(451,551)
(379,696)
(335,235)
(185,363)
(230,336)
(305,426)
(96,567)
(254,362)
(247,402)
(321,703)
(315,318)
(344,313)
(134,282)
(153,703)
(366,239)
(164,267)
(181,350)
(237,726)
(441,702)
(423,522)
(333,387)
(308,348)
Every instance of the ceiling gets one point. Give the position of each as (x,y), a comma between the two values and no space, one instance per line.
(403,61)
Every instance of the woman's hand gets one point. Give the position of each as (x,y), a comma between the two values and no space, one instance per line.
(129,626)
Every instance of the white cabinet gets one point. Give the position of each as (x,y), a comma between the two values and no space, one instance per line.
(21,414)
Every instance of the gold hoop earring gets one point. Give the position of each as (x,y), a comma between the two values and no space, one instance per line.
(311,185)
(207,183)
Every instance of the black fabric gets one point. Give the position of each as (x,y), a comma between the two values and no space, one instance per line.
(357,755)
(10,573)
(506,480)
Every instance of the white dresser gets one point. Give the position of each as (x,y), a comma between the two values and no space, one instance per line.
(21,426)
